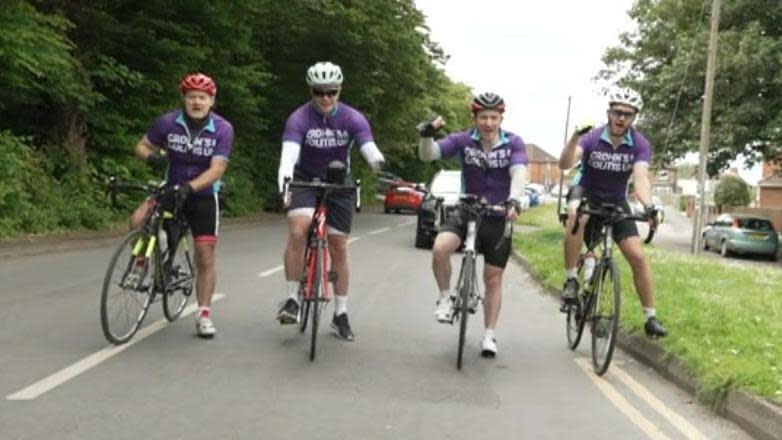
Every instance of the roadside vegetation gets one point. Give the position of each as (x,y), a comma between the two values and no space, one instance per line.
(725,319)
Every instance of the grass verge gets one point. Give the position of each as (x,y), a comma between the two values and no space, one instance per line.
(725,321)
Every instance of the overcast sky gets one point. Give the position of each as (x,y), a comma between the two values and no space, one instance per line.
(535,54)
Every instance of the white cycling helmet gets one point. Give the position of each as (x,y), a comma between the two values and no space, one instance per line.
(324,73)
(626,96)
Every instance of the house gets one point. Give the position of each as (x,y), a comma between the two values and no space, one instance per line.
(770,186)
(543,168)
(663,179)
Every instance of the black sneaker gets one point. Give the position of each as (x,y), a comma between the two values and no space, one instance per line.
(289,312)
(655,329)
(569,294)
(341,327)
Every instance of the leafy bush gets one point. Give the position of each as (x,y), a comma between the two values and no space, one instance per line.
(732,191)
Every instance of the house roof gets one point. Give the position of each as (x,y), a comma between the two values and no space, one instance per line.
(773,181)
(536,154)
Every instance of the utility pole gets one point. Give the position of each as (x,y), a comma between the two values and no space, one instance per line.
(711,62)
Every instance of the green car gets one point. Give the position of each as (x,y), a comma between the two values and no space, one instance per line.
(741,234)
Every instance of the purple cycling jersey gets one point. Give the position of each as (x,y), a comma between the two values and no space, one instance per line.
(189,156)
(605,170)
(485,173)
(325,138)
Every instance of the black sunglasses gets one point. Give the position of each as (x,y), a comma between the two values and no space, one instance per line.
(330,93)
(619,114)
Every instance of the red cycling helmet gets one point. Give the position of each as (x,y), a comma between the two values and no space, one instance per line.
(200,82)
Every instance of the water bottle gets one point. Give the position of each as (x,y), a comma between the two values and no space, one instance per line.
(589,266)
(163,240)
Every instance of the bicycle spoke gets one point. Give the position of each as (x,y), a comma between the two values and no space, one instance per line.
(123,307)
(605,317)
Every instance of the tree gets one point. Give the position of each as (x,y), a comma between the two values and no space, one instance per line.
(731,190)
(666,56)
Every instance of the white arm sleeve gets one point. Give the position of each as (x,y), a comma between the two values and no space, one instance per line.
(518,180)
(371,153)
(428,150)
(288,160)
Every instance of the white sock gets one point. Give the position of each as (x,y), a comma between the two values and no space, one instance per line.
(650,312)
(340,304)
(293,290)
(444,294)
(572,273)
(489,333)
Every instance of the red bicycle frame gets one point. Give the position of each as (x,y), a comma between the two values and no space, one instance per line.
(318,241)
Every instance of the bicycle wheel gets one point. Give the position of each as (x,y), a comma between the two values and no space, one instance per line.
(304,301)
(462,308)
(574,320)
(180,278)
(317,301)
(128,287)
(605,315)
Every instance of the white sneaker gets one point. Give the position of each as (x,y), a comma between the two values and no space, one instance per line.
(204,327)
(488,347)
(444,311)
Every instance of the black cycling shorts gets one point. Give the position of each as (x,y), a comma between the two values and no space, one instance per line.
(622,230)
(490,233)
(202,213)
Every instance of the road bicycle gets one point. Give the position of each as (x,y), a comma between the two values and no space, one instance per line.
(599,298)
(467,295)
(314,291)
(155,260)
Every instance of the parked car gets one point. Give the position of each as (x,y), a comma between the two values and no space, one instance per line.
(442,194)
(741,234)
(403,197)
(387,179)
(533,196)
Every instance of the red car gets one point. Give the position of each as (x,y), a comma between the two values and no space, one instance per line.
(403,197)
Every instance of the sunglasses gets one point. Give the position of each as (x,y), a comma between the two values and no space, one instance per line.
(330,93)
(621,114)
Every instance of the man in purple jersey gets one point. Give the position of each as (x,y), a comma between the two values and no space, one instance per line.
(319,132)
(494,166)
(195,143)
(609,155)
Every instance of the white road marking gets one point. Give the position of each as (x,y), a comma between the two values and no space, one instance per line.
(379,231)
(621,403)
(48,383)
(407,223)
(353,239)
(273,270)
(673,417)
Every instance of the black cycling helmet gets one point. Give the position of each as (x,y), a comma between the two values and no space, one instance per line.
(488,101)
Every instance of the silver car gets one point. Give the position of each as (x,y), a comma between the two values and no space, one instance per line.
(741,234)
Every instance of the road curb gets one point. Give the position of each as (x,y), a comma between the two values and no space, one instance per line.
(759,418)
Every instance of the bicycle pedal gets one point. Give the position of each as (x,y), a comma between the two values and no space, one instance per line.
(332,276)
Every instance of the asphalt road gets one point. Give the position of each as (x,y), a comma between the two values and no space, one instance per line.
(398,380)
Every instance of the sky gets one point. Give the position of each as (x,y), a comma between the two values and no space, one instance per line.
(535,54)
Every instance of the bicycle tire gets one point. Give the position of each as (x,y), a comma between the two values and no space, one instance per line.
(574,319)
(316,302)
(650,234)
(605,316)
(463,309)
(143,273)
(304,301)
(180,279)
